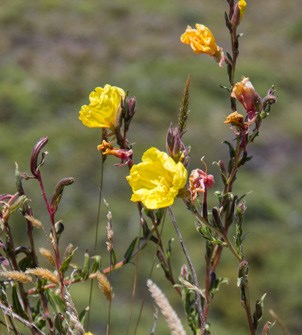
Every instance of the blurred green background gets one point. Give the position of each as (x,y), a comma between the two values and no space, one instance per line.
(53,53)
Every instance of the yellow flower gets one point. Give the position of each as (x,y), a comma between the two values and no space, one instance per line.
(201,40)
(88,333)
(241,6)
(156,181)
(103,108)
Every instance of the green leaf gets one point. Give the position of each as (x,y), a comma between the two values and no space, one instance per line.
(258,311)
(216,218)
(59,324)
(18,179)
(231,149)
(85,271)
(129,251)
(83,314)
(56,302)
(169,249)
(18,203)
(69,252)
(113,257)
(17,307)
(96,263)
(26,263)
(216,282)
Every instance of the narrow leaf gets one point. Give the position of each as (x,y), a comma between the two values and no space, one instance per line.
(129,251)
(17,307)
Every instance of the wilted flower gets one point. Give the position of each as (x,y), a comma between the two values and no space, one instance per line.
(125,155)
(201,40)
(244,92)
(104,105)
(157,180)
(235,119)
(199,181)
(241,127)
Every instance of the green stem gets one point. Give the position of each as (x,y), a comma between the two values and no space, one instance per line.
(194,275)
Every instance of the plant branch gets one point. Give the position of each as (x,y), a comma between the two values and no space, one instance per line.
(194,275)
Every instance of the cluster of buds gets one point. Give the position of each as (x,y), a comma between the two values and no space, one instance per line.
(128,110)
(175,146)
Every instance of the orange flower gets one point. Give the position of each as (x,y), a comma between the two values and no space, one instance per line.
(202,41)
(235,119)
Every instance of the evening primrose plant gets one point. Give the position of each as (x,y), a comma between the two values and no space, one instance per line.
(38,298)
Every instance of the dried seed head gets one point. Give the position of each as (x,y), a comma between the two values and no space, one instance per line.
(44,273)
(166,309)
(110,233)
(18,276)
(48,255)
(105,286)
(35,222)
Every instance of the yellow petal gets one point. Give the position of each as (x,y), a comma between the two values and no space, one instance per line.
(103,108)
(156,181)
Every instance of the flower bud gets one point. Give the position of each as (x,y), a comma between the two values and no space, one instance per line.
(56,198)
(34,166)
(131,106)
(269,99)
(184,272)
(241,208)
(128,110)
(175,147)
(238,12)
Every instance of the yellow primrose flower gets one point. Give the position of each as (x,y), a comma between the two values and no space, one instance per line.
(201,40)
(156,181)
(241,6)
(103,108)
